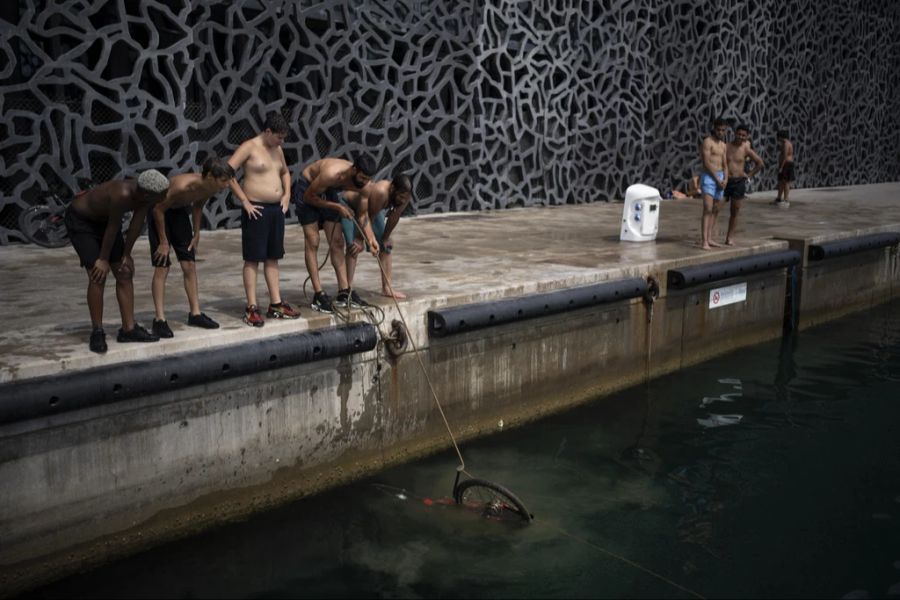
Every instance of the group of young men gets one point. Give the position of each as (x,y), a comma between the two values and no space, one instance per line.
(724,176)
(333,194)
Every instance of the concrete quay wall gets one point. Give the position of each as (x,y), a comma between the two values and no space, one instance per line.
(84,486)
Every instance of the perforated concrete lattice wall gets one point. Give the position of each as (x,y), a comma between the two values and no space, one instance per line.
(486,103)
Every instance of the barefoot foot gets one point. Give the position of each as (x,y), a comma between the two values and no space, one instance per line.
(393,294)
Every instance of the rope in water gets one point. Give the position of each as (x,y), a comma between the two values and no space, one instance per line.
(462,465)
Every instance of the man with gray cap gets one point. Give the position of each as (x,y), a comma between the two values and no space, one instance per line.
(94,222)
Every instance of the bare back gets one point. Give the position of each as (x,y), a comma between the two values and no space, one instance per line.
(378,194)
(787,152)
(329,173)
(185,190)
(110,199)
(263,170)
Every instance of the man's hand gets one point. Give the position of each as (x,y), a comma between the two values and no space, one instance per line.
(373,247)
(346,212)
(387,244)
(285,205)
(252,210)
(720,183)
(99,270)
(195,242)
(126,266)
(161,255)
(355,248)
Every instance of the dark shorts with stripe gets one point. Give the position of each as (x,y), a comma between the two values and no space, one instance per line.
(262,238)
(87,239)
(178,231)
(787,172)
(736,188)
(311,214)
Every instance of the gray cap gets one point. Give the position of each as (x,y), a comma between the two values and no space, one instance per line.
(153,181)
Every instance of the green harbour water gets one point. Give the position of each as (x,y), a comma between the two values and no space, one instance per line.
(773,471)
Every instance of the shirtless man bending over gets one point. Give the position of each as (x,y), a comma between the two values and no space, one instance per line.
(265,198)
(171,228)
(712,180)
(318,207)
(386,200)
(739,152)
(94,223)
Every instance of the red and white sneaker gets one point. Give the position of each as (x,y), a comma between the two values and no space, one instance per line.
(252,316)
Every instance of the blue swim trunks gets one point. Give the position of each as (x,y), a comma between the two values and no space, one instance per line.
(378,224)
(709,187)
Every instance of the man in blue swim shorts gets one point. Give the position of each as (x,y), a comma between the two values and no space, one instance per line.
(712,180)
(386,202)
(318,207)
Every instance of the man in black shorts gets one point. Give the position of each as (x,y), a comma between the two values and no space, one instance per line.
(265,196)
(171,227)
(785,168)
(94,224)
(738,151)
(318,207)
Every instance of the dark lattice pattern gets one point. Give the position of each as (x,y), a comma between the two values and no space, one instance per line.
(487,103)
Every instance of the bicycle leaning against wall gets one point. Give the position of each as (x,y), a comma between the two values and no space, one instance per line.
(44,224)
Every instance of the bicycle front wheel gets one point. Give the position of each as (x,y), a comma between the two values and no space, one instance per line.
(494,500)
(44,226)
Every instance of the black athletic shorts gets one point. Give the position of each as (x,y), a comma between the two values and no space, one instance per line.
(262,238)
(736,188)
(87,239)
(787,172)
(179,232)
(310,214)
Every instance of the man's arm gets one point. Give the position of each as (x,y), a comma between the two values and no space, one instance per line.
(134,228)
(237,161)
(101,265)
(756,159)
(362,217)
(393,219)
(708,158)
(285,183)
(196,223)
(314,195)
(159,221)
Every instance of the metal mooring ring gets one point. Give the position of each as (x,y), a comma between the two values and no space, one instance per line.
(396,343)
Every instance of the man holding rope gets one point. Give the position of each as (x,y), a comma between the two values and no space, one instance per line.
(386,202)
(318,207)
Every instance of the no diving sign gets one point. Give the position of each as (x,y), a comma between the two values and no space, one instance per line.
(728,295)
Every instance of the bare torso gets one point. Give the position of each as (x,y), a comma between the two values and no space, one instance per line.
(113,198)
(263,169)
(738,155)
(713,155)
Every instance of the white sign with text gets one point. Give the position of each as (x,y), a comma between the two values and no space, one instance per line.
(728,295)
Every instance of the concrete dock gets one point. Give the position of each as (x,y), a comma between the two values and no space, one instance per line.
(85,485)
(439,260)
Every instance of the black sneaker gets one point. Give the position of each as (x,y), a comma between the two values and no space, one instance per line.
(98,341)
(322,303)
(356,301)
(161,328)
(138,334)
(340,301)
(203,321)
